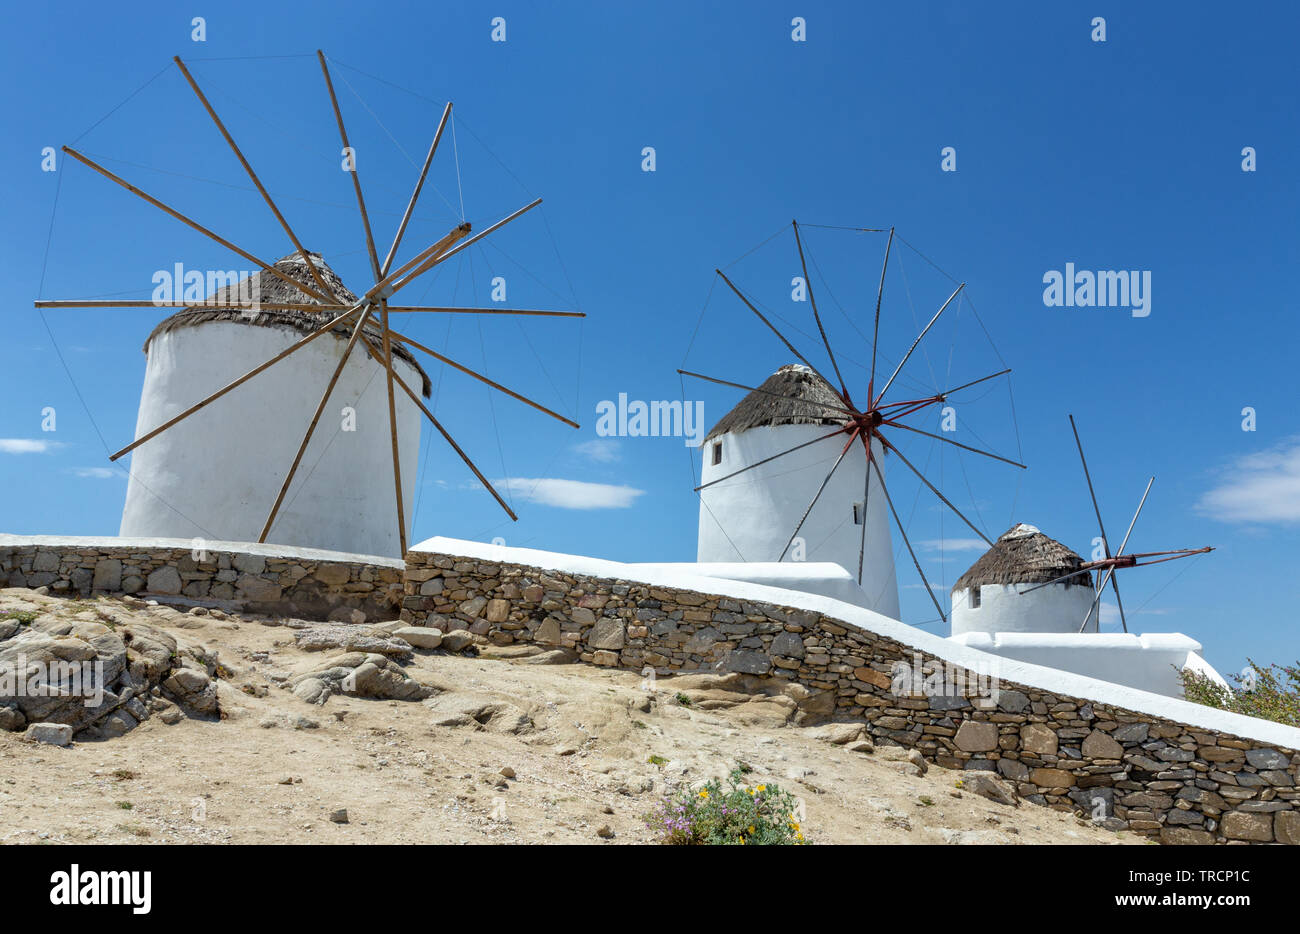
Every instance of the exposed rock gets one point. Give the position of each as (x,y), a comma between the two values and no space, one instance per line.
(837,734)
(350,638)
(165,581)
(976,736)
(55,734)
(607,633)
(1238,825)
(457,640)
(986,785)
(422,637)
(1100,746)
(1038,739)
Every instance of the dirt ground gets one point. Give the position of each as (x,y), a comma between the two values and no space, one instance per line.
(578,741)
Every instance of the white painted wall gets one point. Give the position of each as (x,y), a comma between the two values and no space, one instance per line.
(819,577)
(1147,662)
(222,467)
(750,517)
(1005,608)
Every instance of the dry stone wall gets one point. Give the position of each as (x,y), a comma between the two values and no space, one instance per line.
(1173,782)
(288,582)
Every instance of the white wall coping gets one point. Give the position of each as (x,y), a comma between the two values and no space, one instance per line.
(1036,676)
(1109,641)
(75,542)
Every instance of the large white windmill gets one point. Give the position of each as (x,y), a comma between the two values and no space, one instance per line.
(237,385)
(767,493)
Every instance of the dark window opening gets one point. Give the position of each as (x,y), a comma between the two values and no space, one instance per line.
(974,598)
(717,453)
(857,513)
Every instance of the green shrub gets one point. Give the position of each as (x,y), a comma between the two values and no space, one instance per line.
(1270,693)
(735,814)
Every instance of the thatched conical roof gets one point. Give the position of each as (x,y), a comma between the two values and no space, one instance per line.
(1024,555)
(270,289)
(802,389)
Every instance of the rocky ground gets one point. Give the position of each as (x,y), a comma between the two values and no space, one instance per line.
(247,730)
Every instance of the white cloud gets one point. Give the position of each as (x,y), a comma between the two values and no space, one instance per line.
(1263,487)
(570,494)
(26,446)
(954,544)
(1109,614)
(97,473)
(601,450)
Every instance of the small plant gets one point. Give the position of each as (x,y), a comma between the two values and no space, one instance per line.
(926,801)
(1269,693)
(24,617)
(657,760)
(682,699)
(123,775)
(734,814)
(125,805)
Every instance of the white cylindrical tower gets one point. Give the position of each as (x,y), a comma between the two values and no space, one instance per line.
(216,474)
(991,597)
(752,516)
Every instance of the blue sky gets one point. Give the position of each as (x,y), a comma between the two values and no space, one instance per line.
(1116,155)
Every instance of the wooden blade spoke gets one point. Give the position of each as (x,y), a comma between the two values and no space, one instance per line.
(935,490)
(323,329)
(906,541)
(129,303)
(797,447)
(771,326)
(392,422)
(449,439)
(464,244)
(1105,543)
(817,317)
(1124,543)
(1096,601)
(311,428)
(481,378)
(875,334)
(1114,583)
(410,206)
(924,331)
(405,309)
(301,287)
(315,273)
(356,180)
(866,497)
(821,489)
(964,447)
(948,392)
(1057,580)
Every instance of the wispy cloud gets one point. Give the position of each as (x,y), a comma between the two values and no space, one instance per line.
(96,473)
(26,446)
(570,494)
(601,450)
(954,544)
(1262,487)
